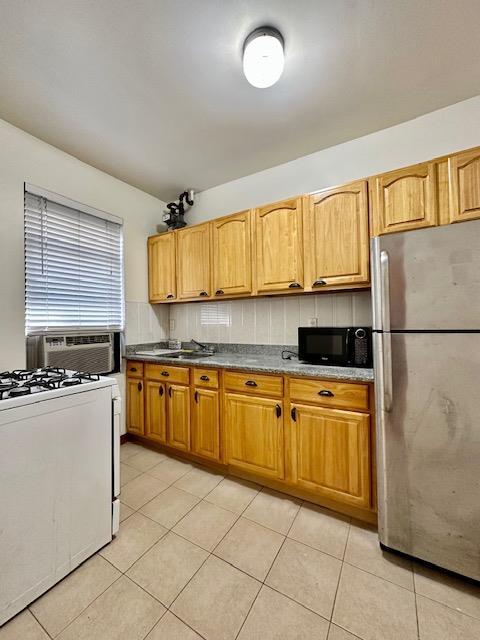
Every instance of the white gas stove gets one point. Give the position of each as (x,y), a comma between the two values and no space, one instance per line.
(59,477)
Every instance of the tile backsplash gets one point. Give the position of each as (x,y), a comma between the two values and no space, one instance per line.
(145,322)
(265,320)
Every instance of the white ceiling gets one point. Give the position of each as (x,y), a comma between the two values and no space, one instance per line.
(152,91)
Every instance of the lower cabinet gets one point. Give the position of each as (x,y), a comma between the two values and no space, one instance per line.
(323,447)
(254,434)
(178,413)
(156,411)
(206,424)
(331,453)
(135,405)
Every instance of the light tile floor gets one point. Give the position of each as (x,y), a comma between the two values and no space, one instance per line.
(203,556)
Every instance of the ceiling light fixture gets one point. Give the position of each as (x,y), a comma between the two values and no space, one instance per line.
(263,57)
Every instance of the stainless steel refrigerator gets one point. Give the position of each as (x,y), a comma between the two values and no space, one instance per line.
(426,321)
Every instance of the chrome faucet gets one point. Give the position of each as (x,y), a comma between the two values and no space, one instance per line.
(203,347)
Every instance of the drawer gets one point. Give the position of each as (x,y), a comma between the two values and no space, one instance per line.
(134,369)
(256,383)
(344,395)
(205,378)
(165,373)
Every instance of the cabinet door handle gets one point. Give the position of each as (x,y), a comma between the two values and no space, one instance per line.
(165,373)
(319,283)
(203,293)
(278,410)
(139,386)
(293,413)
(170,295)
(205,378)
(196,396)
(294,285)
(251,383)
(170,391)
(219,292)
(134,369)
(160,390)
(326,393)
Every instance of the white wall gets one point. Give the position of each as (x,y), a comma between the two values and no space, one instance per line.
(271,320)
(24,158)
(440,132)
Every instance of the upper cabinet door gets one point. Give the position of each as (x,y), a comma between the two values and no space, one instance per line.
(232,255)
(193,262)
(336,241)
(279,248)
(405,199)
(464,185)
(161,267)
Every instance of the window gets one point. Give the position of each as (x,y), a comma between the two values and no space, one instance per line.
(73,266)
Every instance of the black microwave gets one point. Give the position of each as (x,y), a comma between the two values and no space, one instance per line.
(336,346)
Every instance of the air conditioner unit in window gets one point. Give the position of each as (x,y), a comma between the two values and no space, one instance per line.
(92,353)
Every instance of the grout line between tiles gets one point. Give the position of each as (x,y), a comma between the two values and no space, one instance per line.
(416,603)
(35,617)
(186,624)
(340,575)
(150,595)
(268,572)
(90,604)
(463,613)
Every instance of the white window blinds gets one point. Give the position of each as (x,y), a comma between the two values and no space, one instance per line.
(73,268)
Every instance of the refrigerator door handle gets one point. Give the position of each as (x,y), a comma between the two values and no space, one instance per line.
(387,372)
(387,338)
(385,290)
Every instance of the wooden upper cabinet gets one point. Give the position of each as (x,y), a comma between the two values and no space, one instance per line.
(336,240)
(404,199)
(331,453)
(254,434)
(161,267)
(232,255)
(464,185)
(279,246)
(193,262)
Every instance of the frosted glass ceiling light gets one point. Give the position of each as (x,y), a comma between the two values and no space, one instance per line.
(263,57)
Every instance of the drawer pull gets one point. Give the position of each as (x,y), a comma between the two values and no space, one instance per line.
(219,292)
(139,386)
(134,369)
(165,373)
(204,378)
(278,410)
(170,295)
(294,285)
(293,413)
(319,283)
(203,293)
(251,383)
(170,391)
(196,396)
(326,393)
(160,390)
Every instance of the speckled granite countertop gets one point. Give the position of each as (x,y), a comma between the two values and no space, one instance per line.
(265,364)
